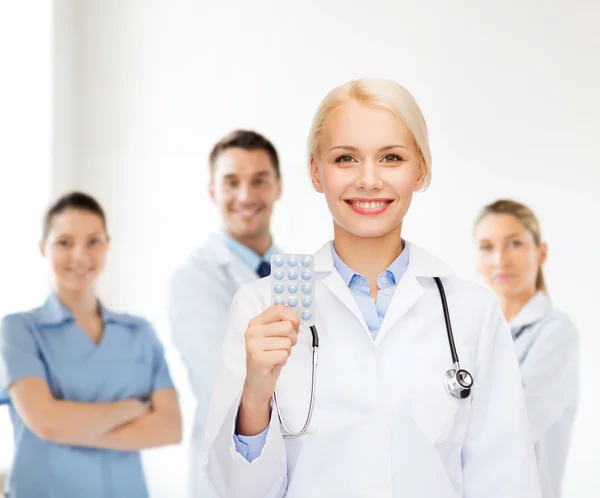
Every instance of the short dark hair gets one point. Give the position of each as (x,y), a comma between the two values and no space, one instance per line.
(248,140)
(72,200)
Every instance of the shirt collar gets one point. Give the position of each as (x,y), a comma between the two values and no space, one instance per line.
(250,258)
(54,312)
(422,264)
(397,268)
(534,310)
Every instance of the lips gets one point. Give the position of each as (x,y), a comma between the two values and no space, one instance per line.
(368,206)
(503,277)
(247,213)
(80,272)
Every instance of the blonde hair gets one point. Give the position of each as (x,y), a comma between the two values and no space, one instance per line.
(376,92)
(529,220)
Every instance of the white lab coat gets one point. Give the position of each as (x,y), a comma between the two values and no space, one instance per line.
(384,425)
(199,297)
(548,354)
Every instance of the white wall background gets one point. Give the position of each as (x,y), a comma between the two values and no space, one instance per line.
(143,89)
(25,162)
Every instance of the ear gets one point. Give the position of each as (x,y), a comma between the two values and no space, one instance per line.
(42,248)
(279,188)
(314,175)
(543,254)
(211,190)
(422,175)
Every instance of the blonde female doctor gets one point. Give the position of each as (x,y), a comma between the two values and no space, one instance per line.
(383,423)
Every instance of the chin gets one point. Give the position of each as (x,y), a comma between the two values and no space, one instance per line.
(368,230)
(250,231)
(506,290)
(78,285)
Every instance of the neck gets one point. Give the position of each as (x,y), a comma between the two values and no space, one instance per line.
(78,303)
(259,244)
(512,304)
(368,256)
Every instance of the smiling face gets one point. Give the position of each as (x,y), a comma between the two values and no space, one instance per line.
(508,257)
(368,167)
(76,246)
(245,187)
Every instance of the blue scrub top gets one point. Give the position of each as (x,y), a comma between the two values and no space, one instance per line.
(127,363)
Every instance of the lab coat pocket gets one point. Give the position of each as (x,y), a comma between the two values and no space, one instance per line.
(440,415)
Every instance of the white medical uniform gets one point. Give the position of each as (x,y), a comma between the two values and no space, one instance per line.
(547,348)
(383,424)
(199,297)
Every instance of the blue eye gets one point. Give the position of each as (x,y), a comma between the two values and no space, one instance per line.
(344,159)
(392,158)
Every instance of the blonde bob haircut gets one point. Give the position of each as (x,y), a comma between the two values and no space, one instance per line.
(375,92)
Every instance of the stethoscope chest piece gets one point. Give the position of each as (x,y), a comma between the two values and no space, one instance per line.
(458,383)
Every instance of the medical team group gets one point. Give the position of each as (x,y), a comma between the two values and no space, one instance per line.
(88,388)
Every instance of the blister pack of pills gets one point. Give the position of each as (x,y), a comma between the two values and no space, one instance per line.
(292,284)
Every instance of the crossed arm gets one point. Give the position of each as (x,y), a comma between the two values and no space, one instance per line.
(127,425)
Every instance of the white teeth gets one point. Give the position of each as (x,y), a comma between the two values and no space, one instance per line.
(369,205)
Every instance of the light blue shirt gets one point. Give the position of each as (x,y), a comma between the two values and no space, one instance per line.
(127,363)
(250,258)
(373,311)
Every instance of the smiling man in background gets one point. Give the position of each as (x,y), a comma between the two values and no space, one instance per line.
(245,183)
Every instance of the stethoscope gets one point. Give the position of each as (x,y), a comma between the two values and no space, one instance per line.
(458,382)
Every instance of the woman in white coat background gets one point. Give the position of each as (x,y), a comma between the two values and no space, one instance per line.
(383,423)
(510,257)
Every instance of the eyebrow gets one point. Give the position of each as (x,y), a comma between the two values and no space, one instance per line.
(263,173)
(69,236)
(259,174)
(355,149)
(509,236)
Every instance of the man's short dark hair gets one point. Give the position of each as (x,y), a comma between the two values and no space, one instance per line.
(247,140)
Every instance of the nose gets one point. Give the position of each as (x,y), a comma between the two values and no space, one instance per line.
(79,253)
(500,257)
(368,177)
(243,193)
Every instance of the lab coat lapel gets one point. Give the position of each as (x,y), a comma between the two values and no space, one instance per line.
(534,310)
(325,271)
(338,287)
(220,254)
(408,293)
(239,272)
(409,290)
